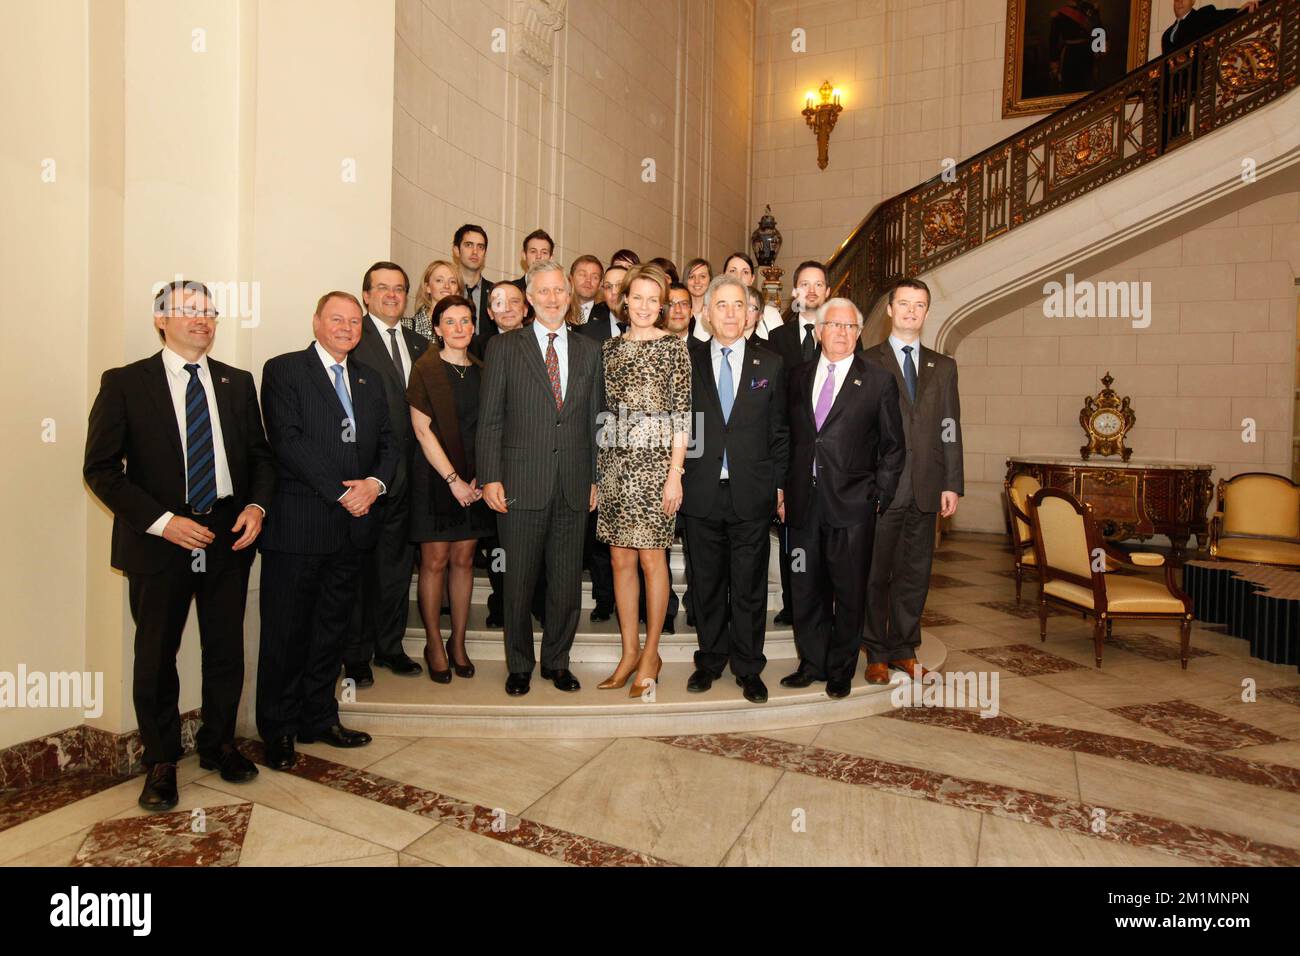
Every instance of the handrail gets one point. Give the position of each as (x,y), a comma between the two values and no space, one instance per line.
(1158,107)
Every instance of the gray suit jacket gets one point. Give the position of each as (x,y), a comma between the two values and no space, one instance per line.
(536,452)
(933,465)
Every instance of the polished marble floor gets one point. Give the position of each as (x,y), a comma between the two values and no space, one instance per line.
(1138,763)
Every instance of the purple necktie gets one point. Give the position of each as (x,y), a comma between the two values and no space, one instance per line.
(826,398)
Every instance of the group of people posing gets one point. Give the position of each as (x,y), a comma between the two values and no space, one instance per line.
(538,425)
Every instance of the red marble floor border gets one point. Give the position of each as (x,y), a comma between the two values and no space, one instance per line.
(1200,844)
(46,796)
(1219,766)
(1025,660)
(168,839)
(1196,725)
(572,848)
(81,748)
(1288,695)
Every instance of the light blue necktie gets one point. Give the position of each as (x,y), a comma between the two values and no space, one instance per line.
(909,372)
(726,394)
(341,389)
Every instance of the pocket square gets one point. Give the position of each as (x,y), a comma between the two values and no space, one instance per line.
(756,383)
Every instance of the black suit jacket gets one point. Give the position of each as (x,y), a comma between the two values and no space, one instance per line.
(133,418)
(374,350)
(934,465)
(597,327)
(316,453)
(1199,22)
(522,441)
(787,341)
(756,438)
(859,452)
(483,325)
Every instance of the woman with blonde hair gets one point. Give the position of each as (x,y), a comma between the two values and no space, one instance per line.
(641,451)
(440,280)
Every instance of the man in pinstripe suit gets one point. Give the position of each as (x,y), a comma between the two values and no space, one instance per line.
(537,464)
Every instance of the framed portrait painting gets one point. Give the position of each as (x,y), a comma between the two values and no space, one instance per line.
(1060,50)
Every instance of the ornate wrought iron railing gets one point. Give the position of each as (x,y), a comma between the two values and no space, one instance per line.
(1159,107)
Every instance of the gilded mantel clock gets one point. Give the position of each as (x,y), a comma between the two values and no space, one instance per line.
(1106,418)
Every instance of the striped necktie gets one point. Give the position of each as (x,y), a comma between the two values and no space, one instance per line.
(200,459)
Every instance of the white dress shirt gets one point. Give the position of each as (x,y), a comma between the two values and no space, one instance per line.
(328,361)
(386,339)
(769,321)
(701,332)
(178,380)
(561,350)
(737,362)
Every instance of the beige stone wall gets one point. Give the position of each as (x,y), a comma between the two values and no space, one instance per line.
(1221,347)
(553,127)
(921,82)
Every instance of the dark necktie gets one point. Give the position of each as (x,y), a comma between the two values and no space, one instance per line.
(200,460)
(553,370)
(1174,32)
(397,355)
(909,372)
(809,347)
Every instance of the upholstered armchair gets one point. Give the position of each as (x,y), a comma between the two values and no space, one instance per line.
(1257,520)
(1017,493)
(1067,542)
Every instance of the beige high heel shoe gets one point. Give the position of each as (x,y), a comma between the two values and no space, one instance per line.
(612,682)
(639,687)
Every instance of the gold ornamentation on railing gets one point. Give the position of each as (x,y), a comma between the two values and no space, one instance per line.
(1076,154)
(1248,65)
(943,222)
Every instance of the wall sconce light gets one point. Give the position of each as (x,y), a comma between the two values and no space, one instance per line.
(821,117)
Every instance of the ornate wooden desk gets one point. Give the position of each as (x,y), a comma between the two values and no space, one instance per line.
(1134,499)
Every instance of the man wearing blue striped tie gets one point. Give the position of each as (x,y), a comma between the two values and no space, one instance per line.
(176,451)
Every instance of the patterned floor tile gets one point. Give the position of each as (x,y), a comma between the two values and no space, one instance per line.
(1196,725)
(1024,660)
(1153,648)
(28,803)
(210,837)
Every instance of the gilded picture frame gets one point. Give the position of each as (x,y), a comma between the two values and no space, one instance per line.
(1053,56)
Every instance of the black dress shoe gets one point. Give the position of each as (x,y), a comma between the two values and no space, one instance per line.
(494,619)
(400,664)
(562,678)
(361,673)
(517,683)
(234,766)
(754,689)
(280,754)
(700,681)
(839,687)
(670,626)
(800,678)
(159,791)
(783,616)
(599,614)
(337,736)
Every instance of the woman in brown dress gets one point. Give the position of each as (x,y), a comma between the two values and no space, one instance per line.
(448,515)
(642,447)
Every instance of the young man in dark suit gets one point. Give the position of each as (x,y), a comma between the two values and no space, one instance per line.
(469,248)
(327,421)
(846,453)
(796,343)
(537,464)
(928,488)
(732,490)
(189,503)
(379,620)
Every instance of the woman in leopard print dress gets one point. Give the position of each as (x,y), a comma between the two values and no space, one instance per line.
(642,447)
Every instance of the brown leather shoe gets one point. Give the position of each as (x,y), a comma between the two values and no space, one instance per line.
(911,666)
(878,673)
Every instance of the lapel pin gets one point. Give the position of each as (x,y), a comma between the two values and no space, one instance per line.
(361,381)
(755,361)
(929,365)
(224,380)
(857,381)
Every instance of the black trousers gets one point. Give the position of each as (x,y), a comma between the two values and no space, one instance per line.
(783,557)
(554,536)
(729,557)
(827,580)
(160,605)
(898,582)
(595,558)
(306,603)
(379,618)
